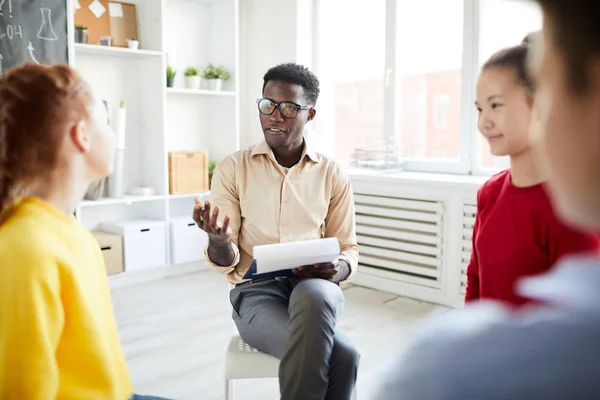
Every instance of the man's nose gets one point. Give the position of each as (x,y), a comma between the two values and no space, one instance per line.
(276,115)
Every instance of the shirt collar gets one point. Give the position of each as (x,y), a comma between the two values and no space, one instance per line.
(572,282)
(264,148)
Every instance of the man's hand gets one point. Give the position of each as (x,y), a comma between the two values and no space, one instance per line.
(220,251)
(209,223)
(335,271)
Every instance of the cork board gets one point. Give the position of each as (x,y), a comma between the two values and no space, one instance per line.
(121,25)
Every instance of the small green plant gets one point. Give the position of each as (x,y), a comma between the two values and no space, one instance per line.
(224,74)
(212,72)
(211,170)
(81,27)
(132,39)
(191,71)
(211,167)
(171,72)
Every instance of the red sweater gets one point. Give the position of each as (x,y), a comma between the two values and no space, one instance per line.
(516,234)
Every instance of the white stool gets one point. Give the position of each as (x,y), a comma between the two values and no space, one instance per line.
(245,362)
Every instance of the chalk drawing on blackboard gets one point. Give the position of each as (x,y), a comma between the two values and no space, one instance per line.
(1,71)
(9,7)
(13,31)
(46,31)
(31,50)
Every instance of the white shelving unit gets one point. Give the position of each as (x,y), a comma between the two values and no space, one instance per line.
(201,92)
(119,52)
(128,199)
(180,33)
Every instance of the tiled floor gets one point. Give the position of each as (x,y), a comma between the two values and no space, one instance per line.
(175,331)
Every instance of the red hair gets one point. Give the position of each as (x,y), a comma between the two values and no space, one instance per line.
(37,106)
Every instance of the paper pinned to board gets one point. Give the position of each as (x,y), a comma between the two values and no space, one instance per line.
(97,8)
(115,10)
(280,256)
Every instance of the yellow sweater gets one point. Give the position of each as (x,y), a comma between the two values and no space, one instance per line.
(58,335)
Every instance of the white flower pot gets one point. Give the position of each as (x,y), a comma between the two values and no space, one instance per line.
(215,84)
(133,44)
(192,82)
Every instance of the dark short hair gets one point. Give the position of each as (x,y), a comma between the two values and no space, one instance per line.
(576,33)
(514,58)
(298,75)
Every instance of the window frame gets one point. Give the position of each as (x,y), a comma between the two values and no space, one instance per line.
(468,161)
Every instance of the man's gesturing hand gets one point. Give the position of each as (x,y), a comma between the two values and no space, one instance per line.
(208,222)
(334,271)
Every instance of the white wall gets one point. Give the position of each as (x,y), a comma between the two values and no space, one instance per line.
(271,32)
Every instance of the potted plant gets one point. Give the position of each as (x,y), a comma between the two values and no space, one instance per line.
(211,169)
(81,34)
(215,76)
(170,76)
(133,43)
(192,78)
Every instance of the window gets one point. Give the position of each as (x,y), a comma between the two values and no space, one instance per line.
(428,58)
(441,112)
(399,75)
(351,71)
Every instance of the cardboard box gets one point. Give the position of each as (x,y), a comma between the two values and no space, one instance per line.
(112,251)
(188,172)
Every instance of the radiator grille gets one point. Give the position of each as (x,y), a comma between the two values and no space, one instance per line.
(469,211)
(400,239)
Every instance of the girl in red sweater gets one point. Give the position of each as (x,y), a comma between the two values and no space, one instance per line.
(516,232)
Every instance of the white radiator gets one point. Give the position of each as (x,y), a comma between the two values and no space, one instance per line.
(400,239)
(468,221)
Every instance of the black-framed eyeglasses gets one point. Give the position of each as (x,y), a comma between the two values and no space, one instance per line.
(287,109)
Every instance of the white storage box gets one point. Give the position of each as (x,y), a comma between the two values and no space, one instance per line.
(187,241)
(144,242)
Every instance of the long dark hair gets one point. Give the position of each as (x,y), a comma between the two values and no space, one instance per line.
(514,58)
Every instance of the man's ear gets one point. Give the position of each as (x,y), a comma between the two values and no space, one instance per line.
(311,114)
(79,135)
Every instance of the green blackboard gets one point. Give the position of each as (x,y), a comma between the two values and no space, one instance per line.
(33,31)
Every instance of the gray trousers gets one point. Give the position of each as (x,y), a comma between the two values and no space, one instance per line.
(294,320)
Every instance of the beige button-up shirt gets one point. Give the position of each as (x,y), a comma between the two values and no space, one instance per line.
(268,204)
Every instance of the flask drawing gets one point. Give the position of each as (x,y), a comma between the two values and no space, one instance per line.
(46,31)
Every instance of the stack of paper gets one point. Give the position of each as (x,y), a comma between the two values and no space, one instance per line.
(284,256)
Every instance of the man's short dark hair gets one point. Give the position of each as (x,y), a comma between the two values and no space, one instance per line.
(298,75)
(576,33)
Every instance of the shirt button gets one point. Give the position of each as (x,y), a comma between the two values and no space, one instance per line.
(287,199)
(284,223)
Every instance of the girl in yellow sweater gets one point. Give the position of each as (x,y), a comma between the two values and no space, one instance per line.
(58,336)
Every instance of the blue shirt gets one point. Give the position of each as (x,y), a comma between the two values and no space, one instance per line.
(486,351)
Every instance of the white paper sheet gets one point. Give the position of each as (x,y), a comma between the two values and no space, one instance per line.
(97,8)
(115,10)
(275,257)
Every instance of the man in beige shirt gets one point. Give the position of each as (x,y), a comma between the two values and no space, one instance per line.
(281,190)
